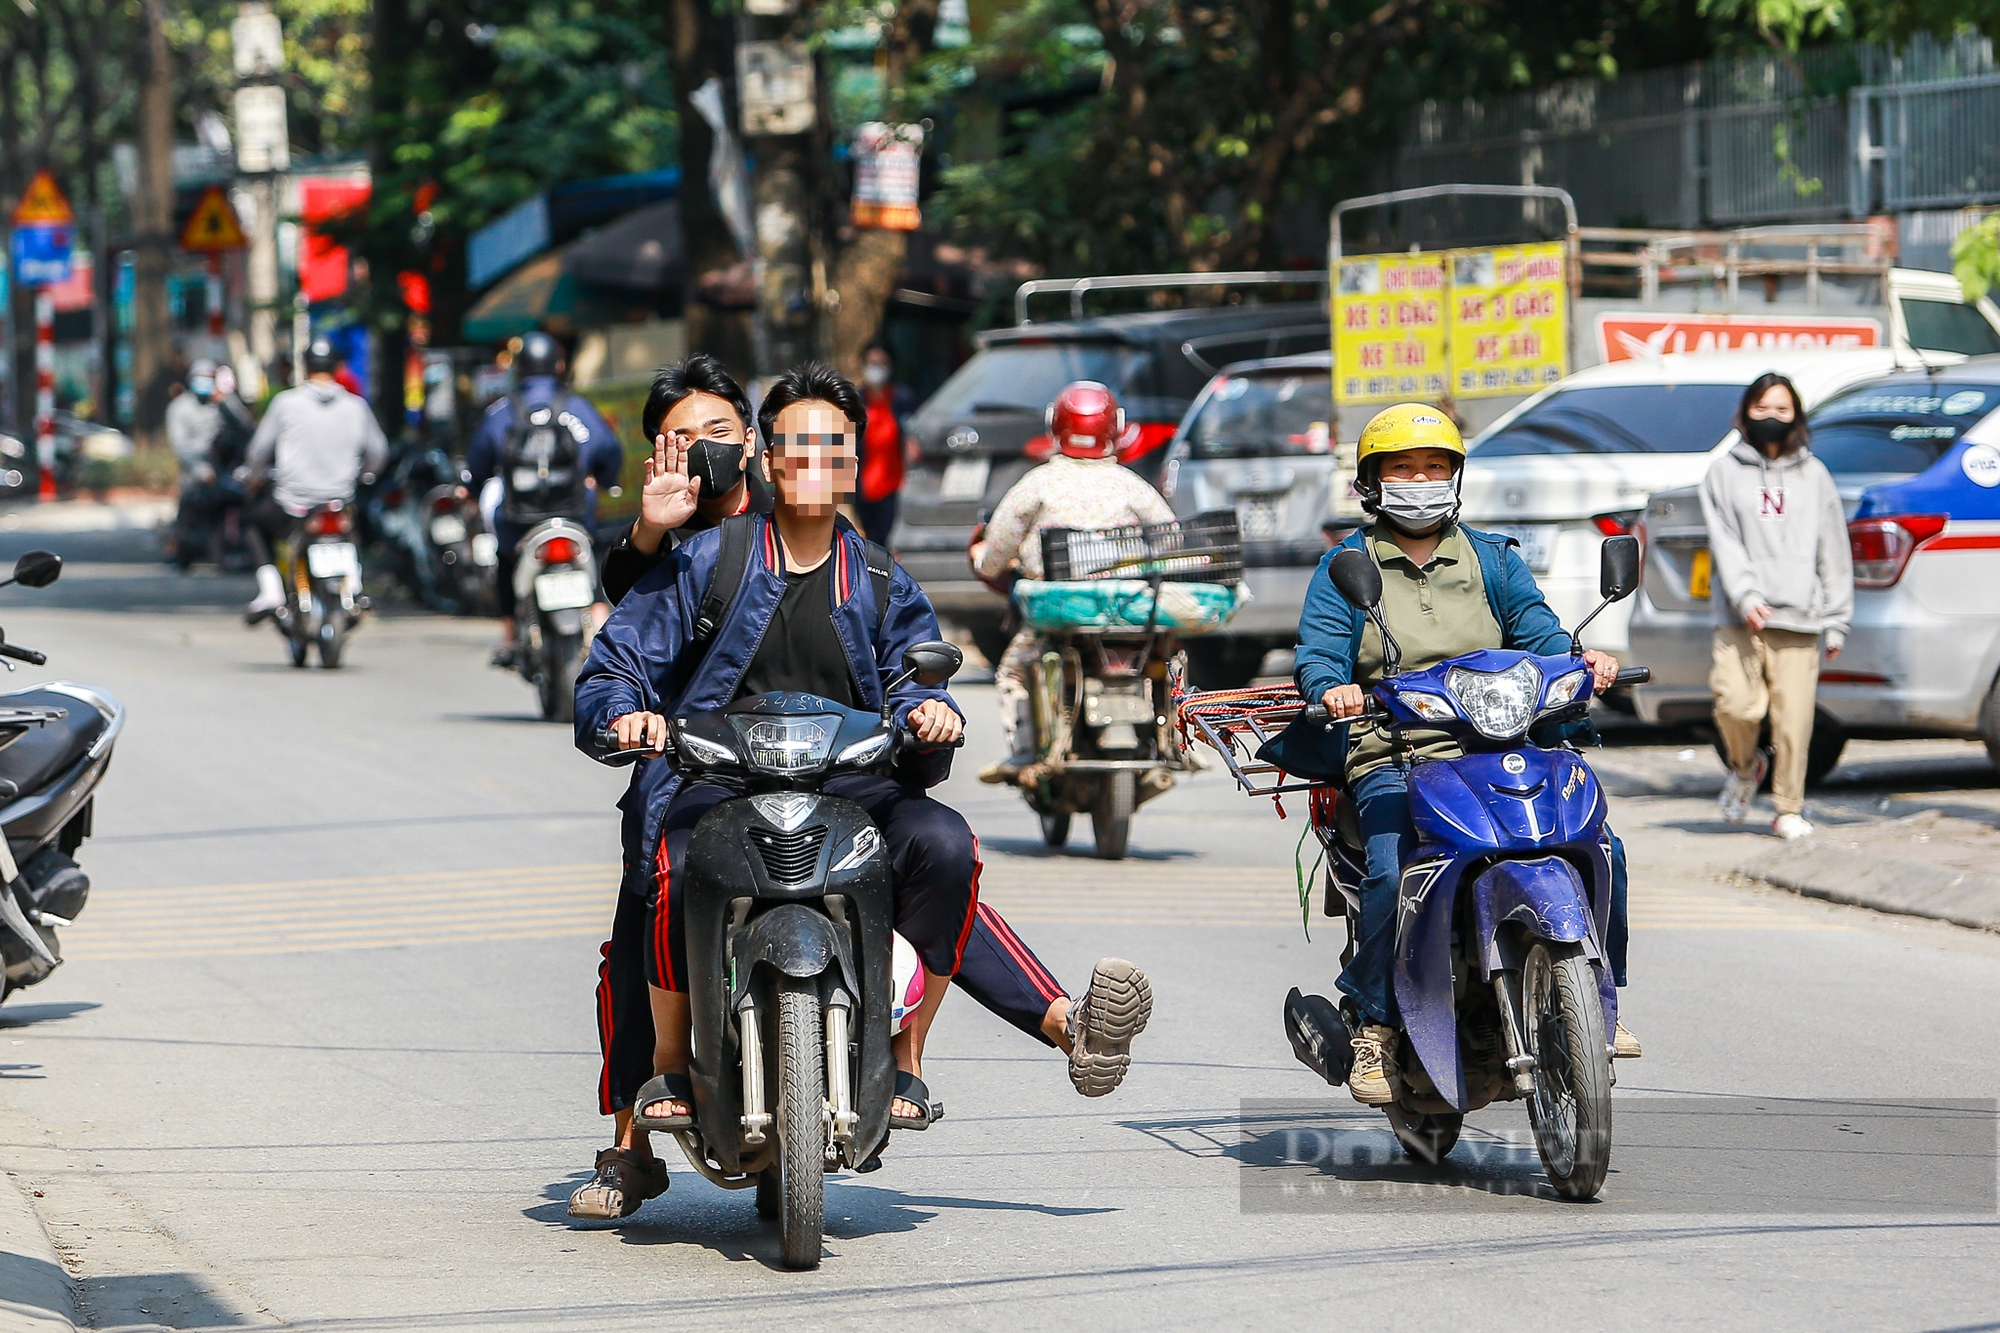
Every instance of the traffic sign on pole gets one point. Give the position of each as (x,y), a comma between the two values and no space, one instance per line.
(44,204)
(44,225)
(213,227)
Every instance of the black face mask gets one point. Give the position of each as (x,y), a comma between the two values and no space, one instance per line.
(1767,431)
(719,464)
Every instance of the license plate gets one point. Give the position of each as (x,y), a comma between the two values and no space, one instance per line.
(1538,541)
(332,560)
(1700,570)
(965,479)
(1257,516)
(485,549)
(564,590)
(448,530)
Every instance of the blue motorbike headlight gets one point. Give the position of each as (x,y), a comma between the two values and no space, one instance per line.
(1563,691)
(1500,704)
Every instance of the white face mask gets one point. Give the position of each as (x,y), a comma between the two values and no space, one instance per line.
(875,376)
(1418,506)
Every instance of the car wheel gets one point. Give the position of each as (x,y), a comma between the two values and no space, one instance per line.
(1829,738)
(1989,724)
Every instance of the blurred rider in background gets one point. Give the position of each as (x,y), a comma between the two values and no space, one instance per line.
(578,456)
(1083,487)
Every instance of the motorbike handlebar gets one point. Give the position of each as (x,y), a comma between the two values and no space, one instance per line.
(1634,676)
(28,655)
(1316,714)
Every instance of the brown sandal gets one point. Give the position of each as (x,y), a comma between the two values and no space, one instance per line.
(623,1182)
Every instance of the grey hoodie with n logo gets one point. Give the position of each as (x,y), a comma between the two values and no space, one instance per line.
(1778,537)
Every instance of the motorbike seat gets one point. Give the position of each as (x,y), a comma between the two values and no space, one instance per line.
(33,755)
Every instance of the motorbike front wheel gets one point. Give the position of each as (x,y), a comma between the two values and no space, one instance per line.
(1111,817)
(801,1124)
(1571,1105)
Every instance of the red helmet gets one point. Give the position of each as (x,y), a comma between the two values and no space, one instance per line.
(1085,420)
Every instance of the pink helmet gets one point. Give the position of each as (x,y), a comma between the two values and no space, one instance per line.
(1085,420)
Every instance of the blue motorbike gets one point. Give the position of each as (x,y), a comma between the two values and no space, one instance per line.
(1501,970)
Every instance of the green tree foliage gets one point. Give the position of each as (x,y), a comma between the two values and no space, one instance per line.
(1975,257)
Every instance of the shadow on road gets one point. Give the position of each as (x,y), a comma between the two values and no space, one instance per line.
(21,1015)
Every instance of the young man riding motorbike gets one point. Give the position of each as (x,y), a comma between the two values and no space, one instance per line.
(598,459)
(316,441)
(1447,590)
(1084,487)
(696,414)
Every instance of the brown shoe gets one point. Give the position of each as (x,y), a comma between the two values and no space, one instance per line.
(1624,1045)
(1369,1080)
(623,1182)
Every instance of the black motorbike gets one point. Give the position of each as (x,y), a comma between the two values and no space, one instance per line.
(55,745)
(323,597)
(790,911)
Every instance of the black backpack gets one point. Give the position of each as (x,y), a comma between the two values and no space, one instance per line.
(726,584)
(540,466)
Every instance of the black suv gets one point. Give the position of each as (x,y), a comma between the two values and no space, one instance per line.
(983,429)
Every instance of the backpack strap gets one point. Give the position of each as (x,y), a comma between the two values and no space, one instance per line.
(881,569)
(727,581)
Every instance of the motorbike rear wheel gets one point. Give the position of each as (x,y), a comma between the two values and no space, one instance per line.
(1111,819)
(1426,1138)
(801,1124)
(562,655)
(1055,830)
(332,638)
(1571,1105)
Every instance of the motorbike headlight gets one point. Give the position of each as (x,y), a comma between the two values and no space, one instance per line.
(865,751)
(787,744)
(1563,691)
(704,752)
(1500,703)
(1426,705)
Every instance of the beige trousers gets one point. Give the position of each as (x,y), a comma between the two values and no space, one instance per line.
(1767,673)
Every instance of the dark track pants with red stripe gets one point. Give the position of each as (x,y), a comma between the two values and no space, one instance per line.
(996,968)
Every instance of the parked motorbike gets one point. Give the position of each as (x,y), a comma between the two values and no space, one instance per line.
(790,912)
(1501,971)
(413,514)
(555,585)
(463,555)
(323,597)
(55,745)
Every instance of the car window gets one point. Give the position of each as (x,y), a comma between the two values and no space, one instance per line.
(1897,428)
(1620,419)
(1948,326)
(1017,378)
(1264,416)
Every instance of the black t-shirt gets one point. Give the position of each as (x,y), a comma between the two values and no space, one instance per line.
(800,650)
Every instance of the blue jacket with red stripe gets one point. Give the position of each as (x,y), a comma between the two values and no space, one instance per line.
(635,663)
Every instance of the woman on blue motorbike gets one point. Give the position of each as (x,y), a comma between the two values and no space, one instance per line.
(1447,590)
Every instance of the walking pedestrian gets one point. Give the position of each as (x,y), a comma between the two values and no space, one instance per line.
(882,449)
(1783,595)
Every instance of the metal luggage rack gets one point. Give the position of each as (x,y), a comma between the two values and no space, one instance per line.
(1207,548)
(1235,724)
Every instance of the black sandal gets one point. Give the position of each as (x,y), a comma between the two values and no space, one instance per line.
(624,1181)
(664,1088)
(910,1088)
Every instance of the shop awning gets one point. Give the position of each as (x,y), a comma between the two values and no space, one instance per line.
(640,252)
(524,300)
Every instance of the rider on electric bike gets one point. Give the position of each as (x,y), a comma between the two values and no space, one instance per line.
(1447,590)
(1085,487)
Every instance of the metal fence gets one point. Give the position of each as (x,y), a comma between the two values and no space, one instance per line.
(1839,132)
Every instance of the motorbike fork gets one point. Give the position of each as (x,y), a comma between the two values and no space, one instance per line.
(1507,990)
(839,1088)
(756,1118)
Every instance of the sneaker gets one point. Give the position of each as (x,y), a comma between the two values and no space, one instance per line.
(270,595)
(1000,773)
(1113,1010)
(1369,1080)
(1791,827)
(1738,792)
(1624,1045)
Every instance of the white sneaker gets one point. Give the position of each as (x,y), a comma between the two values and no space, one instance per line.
(1739,792)
(1791,827)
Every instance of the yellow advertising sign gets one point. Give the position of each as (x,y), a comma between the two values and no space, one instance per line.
(1389,328)
(1509,310)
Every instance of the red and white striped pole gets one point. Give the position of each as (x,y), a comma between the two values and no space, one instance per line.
(216,297)
(45,391)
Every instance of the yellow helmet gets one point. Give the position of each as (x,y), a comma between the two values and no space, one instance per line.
(1407,426)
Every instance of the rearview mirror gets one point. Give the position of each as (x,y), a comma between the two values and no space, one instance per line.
(37,569)
(1358,578)
(1618,568)
(932,664)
